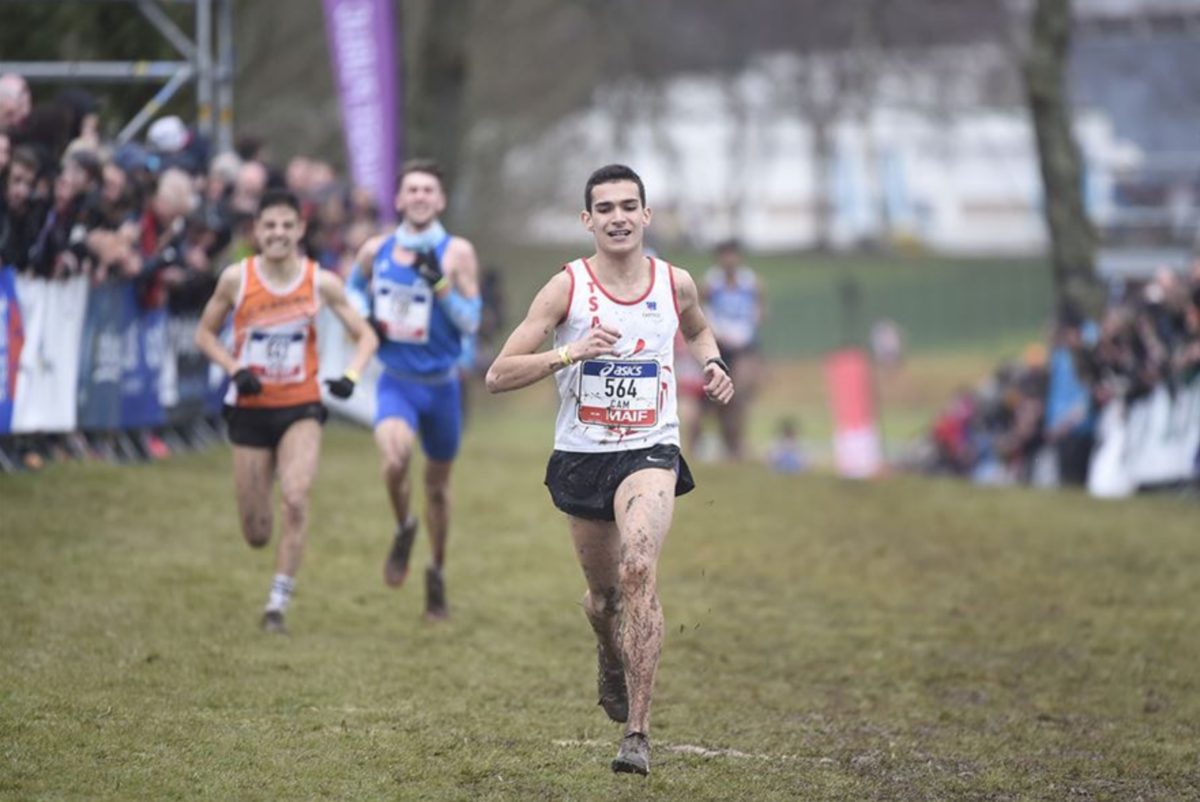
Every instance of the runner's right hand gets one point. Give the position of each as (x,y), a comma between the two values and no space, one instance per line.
(598,342)
(341,388)
(429,268)
(247,383)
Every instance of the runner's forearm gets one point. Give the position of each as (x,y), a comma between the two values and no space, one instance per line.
(703,345)
(517,371)
(463,312)
(365,346)
(210,345)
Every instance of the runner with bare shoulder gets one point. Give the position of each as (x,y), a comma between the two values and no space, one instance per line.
(616,467)
(273,407)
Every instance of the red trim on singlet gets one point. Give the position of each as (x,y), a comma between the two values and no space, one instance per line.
(644,295)
(570,295)
(674,297)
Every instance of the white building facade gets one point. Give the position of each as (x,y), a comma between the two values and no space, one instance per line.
(926,162)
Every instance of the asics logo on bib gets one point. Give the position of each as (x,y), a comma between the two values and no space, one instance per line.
(622,371)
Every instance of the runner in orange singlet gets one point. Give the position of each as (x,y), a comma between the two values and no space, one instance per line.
(274,405)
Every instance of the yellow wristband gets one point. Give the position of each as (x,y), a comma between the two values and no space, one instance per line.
(441,284)
(352,375)
(564,354)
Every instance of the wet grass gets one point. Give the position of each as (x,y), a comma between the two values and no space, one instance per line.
(906,639)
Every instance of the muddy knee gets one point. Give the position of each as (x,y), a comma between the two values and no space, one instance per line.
(637,575)
(256,528)
(606,604)
(438,493)
(295,509)
(395,468)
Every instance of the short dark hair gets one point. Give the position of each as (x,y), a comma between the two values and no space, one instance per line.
(730,245)
(280,197)
(428,166)
(88,162)
(28,157)
(610,174)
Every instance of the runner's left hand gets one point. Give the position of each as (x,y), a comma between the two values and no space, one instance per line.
(340,388)
(718,385)
(429,268)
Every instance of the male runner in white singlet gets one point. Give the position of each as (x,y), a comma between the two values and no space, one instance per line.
(616,466)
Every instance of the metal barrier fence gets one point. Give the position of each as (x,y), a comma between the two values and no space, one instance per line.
(77,357)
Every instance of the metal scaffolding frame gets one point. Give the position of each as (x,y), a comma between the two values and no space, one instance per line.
(207,63)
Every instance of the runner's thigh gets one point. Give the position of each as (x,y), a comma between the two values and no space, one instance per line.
(395,437)
(298,454)
(644,505)
(598,547)
(253,474)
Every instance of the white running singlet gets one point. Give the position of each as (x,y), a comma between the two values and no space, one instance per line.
(625,401)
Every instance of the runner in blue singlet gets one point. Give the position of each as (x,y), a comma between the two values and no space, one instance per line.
(424,300)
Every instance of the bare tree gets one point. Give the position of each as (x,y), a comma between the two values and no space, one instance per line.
(438,34)
(1072,238)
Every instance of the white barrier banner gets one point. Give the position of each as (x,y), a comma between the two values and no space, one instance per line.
(48,377)
(1155,443)
(334,350)
(1108,473)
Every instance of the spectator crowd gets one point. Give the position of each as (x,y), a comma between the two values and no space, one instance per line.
(162,213)
(1042,420)
(166,212)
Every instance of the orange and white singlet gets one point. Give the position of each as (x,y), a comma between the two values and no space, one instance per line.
(625,401)
(275,337)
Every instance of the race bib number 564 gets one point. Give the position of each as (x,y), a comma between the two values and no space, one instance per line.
(613,393)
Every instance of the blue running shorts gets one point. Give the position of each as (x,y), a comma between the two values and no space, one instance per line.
(432,410)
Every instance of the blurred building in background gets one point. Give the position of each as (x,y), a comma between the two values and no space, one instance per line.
(937,161)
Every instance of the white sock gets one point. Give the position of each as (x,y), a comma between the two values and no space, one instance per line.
(281,593)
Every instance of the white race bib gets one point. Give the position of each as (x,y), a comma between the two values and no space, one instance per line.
(404,311)
(618,393)
(276,355)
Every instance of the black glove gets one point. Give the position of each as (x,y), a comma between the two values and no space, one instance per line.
(247,383)
(428,267)
(341,388)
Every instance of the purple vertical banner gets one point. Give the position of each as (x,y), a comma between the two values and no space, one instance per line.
(362,44)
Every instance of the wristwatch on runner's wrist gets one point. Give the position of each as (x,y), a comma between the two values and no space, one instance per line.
(716,360)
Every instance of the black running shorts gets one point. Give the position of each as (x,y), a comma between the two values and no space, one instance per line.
(584,485)
(264,427)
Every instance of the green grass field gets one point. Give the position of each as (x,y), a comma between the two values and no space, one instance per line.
(905,639)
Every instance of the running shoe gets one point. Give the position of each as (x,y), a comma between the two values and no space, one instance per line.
(610,680)
(633,756)
(272,621)
(435,595)
(395,569)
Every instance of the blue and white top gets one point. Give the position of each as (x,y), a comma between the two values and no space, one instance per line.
(733,309)
(419,339)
